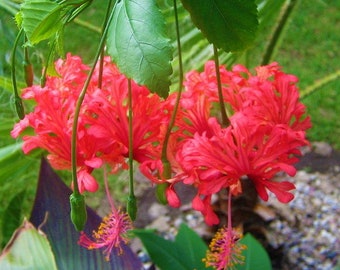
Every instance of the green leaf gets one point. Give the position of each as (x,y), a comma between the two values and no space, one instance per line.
(256,256)
(186,252)
(137,42)
(28,249)
(162,252)
(12,216)
(191,247)
(41,19)
(230,25)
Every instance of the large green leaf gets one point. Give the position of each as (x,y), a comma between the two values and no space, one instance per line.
(191,246)
(186,252)
(162,252)
(28,249)
(256,256)
(41,19)
(229,24)
(138,44)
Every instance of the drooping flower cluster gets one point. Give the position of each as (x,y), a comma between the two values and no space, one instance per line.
(102,135)
(267,128)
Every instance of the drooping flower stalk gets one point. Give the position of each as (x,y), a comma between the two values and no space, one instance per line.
(80,100)
(164,157)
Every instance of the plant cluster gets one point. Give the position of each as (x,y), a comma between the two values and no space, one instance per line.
(220,126)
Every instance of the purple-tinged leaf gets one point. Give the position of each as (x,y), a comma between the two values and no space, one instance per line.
(53,198)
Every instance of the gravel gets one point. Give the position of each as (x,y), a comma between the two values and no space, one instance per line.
(308,227)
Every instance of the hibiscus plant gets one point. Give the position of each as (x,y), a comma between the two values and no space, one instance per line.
(142,103)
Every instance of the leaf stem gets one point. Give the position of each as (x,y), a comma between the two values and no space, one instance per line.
(225,119)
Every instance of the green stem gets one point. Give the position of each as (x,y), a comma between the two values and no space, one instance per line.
(131,189)
(18,102)
(132,205)
(50,53)
(225,119)
(78,106)
(101,63)
(164,157)
(77,200)
(278,30)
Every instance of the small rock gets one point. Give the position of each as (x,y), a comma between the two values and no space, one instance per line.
(161,224)
(157,210)
(322,149)
(265,212)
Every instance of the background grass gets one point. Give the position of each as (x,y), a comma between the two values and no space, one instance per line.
(311,50)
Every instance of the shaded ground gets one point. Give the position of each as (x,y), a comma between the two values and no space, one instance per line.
(329,162)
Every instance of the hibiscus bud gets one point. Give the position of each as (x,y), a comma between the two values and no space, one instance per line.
(160,193)
(78,211)
(132,207)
